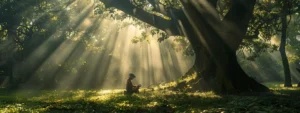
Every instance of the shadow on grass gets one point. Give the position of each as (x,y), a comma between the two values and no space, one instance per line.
(164,101)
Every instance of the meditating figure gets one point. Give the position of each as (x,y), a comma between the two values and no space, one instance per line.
(130,88)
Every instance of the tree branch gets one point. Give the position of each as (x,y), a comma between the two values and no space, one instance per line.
(127,7)
(237,20)
(158,7)
(256,33)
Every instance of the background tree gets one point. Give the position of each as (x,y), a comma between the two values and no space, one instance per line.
(23,30)
(270,19)
(287,73)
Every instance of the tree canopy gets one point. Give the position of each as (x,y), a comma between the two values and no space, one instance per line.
(212,31)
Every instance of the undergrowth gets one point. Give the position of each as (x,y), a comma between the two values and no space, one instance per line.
(284,100)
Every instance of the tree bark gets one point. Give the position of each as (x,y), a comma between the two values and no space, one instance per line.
(228,76)
(286,67)
(216,65)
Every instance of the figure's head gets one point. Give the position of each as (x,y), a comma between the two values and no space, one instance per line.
(131,76)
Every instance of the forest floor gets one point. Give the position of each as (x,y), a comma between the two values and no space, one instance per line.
(284,100)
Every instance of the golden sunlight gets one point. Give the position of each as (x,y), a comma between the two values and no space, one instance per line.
(97,54)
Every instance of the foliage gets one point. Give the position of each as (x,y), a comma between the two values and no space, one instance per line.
(263,27)
(287,99)
(147,30)
(294,39)
(266,25)
(28,25)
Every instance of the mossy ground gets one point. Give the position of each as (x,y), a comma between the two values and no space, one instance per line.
(284,100)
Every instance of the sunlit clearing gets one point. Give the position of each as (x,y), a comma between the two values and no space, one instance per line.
(151,101)
(88,51)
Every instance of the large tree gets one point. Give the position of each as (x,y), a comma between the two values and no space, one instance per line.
(284,25)
(21,32)
(272,18)
(214,40)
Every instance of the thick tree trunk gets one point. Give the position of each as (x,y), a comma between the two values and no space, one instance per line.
(214,43)
(240,80)
(286,67)
(216,64)
(207,75)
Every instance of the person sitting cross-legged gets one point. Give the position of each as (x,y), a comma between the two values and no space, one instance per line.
(130,88)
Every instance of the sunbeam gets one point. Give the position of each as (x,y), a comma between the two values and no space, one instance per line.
(96,54)
(162,56)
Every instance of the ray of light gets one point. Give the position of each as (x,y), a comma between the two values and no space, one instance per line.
(41,54)
(69,80)
(153,62)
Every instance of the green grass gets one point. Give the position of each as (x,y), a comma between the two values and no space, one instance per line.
(285,100)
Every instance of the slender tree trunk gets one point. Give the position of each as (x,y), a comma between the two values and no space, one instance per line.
(286,67)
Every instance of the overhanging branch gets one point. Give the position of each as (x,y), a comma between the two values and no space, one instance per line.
(156,21)
(237,20)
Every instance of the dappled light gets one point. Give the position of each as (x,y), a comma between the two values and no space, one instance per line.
(90,51)
(149,56)
(271,69)
(155,101)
